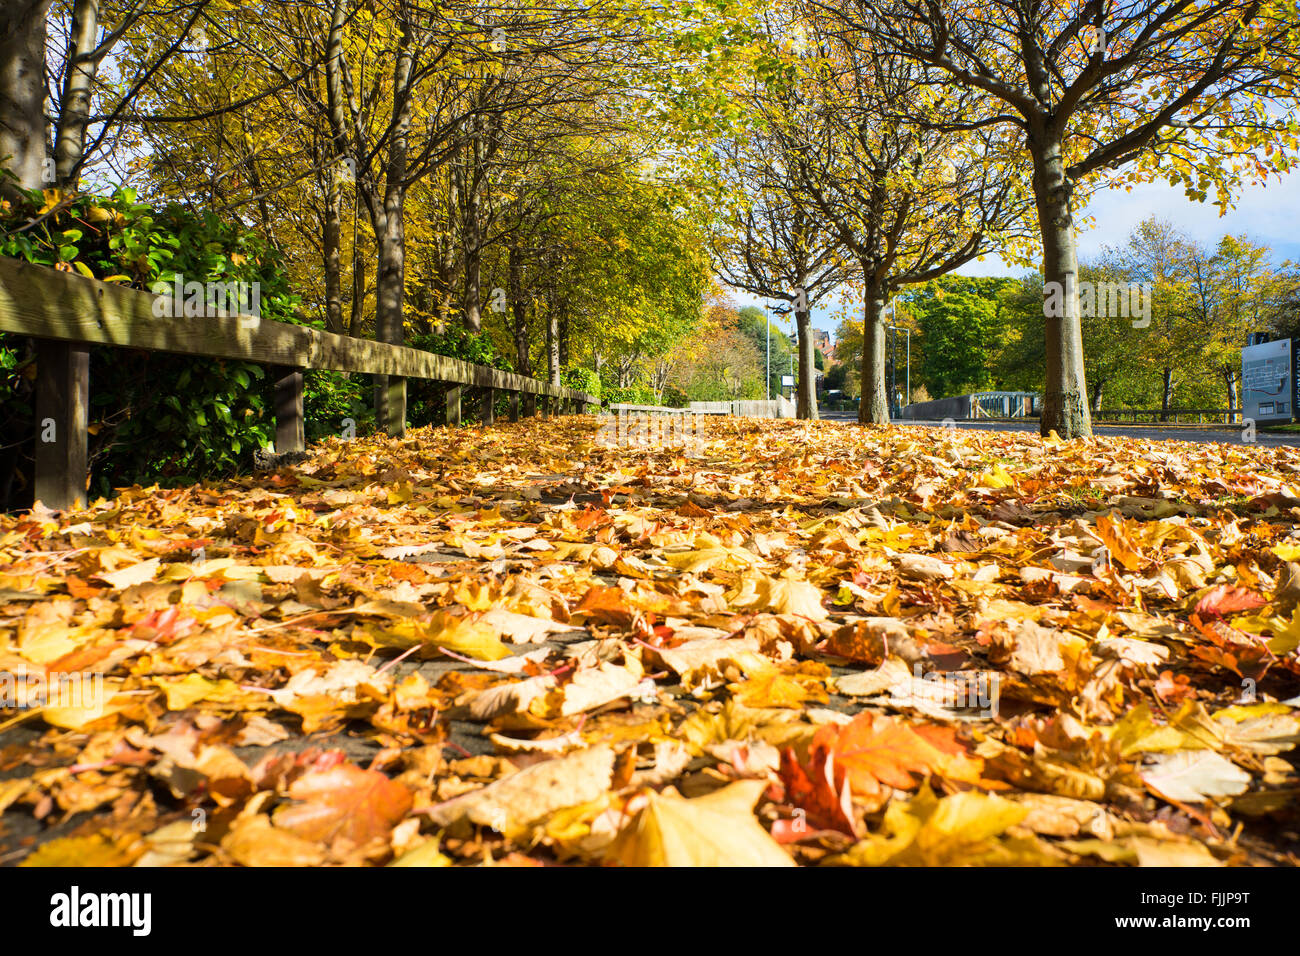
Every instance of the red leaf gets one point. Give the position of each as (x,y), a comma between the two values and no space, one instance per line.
(1227,598)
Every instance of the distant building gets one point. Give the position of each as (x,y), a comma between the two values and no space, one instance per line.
(822,343)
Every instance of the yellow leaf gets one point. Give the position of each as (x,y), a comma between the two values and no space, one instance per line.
(426,854)
(965,829)
(457,634)
(780,595)
(185,692)
(93,850)
(714,830)
(52,198)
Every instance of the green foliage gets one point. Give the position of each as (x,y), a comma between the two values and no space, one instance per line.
(635,395)
(459,342)
(331,398)
(956,329)
(777,355)
(837,377)
(426,400)
(582,379)
(155,417)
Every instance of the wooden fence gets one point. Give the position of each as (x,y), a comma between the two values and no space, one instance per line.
(66,313)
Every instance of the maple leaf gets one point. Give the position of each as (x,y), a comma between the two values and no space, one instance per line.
(254,841)
(781,595)
(1227,598)
(344,801)
(1116,534)
(443,630)
(812,788)
(1193,776)
(870,751)
(965,829)
(606,606)
(718,829)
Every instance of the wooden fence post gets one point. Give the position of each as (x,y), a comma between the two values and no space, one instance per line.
(390,404)
(514,406)
(489,406)
(290,434)
(453,404)
(62,406)
(530,404)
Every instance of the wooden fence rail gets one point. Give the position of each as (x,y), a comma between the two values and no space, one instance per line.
(66,313)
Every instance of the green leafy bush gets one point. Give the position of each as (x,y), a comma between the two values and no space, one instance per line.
(171,419)
(582,379)
(426,400)
(635,395)
(331,399)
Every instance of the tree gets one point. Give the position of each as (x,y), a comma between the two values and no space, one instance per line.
(1174,342)
(774,241)
(956,329)
(721,362)
(1234,288)
(773,345)
(909,201)
(1199,94)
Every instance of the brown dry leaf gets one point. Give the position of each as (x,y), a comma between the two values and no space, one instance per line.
(1130,597)
(344,801)
(516,802)
(254,841)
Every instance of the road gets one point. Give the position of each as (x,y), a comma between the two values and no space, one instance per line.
(1155,432)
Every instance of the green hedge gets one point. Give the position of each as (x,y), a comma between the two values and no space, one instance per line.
(154,417)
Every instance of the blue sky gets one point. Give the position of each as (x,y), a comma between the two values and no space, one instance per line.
(1268,214)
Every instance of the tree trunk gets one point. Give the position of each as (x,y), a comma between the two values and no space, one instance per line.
(1166,393)
(552,347)
(331,238)
(564,339)
(74,106)
(1064,409)
(806,395)
(1097,387)
(1230,381)
(514,279)
(390,392)
(390,280)
(874,407)
(473,316)
(358,312)
(335,65)
(22,92)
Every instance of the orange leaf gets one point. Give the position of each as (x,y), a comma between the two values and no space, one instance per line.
(345,801)
(1114,532)
(1227,598)
(606,606)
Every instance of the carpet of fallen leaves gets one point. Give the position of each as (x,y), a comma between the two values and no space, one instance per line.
(802,643)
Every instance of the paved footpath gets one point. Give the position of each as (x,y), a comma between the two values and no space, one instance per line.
(1232,436)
